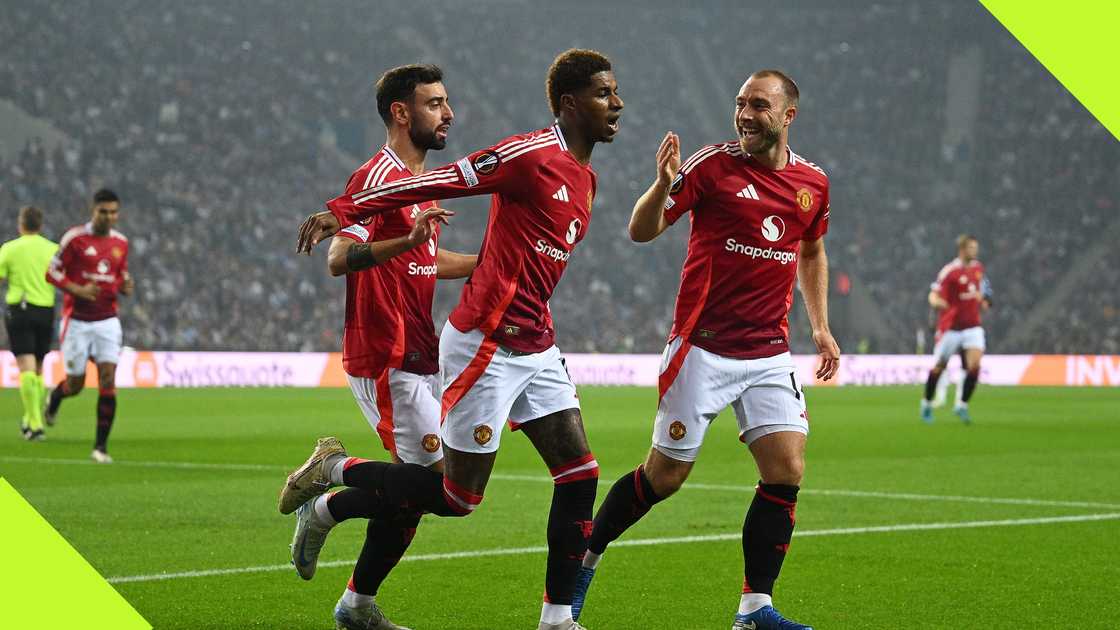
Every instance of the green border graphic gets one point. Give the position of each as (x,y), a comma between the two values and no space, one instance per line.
(49,585)
(1077,42)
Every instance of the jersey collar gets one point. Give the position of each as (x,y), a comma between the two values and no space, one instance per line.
(394,157)
(560,136)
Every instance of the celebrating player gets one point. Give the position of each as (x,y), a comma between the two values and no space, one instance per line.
(389,347)
(497,354)
(91,267)
(759,215)
(961,293)
(30,315)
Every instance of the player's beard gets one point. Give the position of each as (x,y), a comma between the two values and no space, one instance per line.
(768,137)
(426,140)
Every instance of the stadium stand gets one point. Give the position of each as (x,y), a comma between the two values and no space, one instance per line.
(223,124)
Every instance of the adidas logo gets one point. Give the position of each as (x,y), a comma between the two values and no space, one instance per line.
(748,193)
(91,251)
(561,194)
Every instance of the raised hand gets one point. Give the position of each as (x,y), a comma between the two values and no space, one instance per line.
(668,158)
(425,225)
(317,227)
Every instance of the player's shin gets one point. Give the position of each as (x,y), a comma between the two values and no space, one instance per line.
(385,544)
(106,412)
(970,381)
(408,487)
(931,384)
(62,390)
(351,503)
(629,499)
(767,532)
(569,526)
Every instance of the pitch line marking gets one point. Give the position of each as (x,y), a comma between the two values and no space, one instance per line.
(640,542)
(901,496)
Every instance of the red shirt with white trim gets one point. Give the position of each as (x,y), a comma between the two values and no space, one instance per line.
(539,211)
(389,306)
(748,222)
(961,286)
(85,257)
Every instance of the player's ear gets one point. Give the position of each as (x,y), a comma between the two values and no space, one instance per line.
(399,112)
(567,102)
(791,113)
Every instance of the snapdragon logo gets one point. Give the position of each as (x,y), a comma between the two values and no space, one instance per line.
(773,228)
(769,253)
(549,251)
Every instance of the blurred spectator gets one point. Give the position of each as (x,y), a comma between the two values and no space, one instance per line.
(223,124)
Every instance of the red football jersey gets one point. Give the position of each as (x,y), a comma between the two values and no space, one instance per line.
(748,222)
(389,306)
(85,257)
(539,211)
(961,286)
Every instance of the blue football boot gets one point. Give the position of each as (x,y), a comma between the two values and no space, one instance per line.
(766,618)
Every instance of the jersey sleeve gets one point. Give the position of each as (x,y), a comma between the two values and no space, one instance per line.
(687,187)
(943,285)
(360,233)
(819,226)
(3,261)
(56,272)
(482,172)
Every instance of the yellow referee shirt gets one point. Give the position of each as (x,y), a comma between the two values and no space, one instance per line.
(24,262)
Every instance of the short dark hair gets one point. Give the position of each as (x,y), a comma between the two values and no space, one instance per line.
(399,83)
(31,218)
(571,71)
(789,88)
(105,195)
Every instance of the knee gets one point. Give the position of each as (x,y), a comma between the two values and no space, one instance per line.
(666,480)
(460,501)
(73,386)
(786,470)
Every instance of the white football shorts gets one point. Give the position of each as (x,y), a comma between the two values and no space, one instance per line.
(81,341)
(952,341)
(485,384)
(696,385)
(404,410)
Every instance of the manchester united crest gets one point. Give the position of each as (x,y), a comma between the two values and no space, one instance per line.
(482,434)
(804,199)
(116,252)
(677,430)
(430,442)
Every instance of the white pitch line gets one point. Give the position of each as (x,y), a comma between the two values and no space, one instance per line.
(901,496)
(641,542)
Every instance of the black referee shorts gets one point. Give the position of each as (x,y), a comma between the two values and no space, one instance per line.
(30,329)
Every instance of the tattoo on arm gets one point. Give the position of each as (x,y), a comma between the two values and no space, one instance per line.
(360,257)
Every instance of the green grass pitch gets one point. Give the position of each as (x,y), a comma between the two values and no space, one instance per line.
(1013,522)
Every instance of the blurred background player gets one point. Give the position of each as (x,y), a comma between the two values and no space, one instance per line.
(759,215)
(390,350)
(30,314)
(91,267)
(961,294)
(498,356)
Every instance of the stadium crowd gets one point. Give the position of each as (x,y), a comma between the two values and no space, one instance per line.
(222,125)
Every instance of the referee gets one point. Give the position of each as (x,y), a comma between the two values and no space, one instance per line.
(30,313)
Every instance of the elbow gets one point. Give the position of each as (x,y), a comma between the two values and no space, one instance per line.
(337,266)
(638,235)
